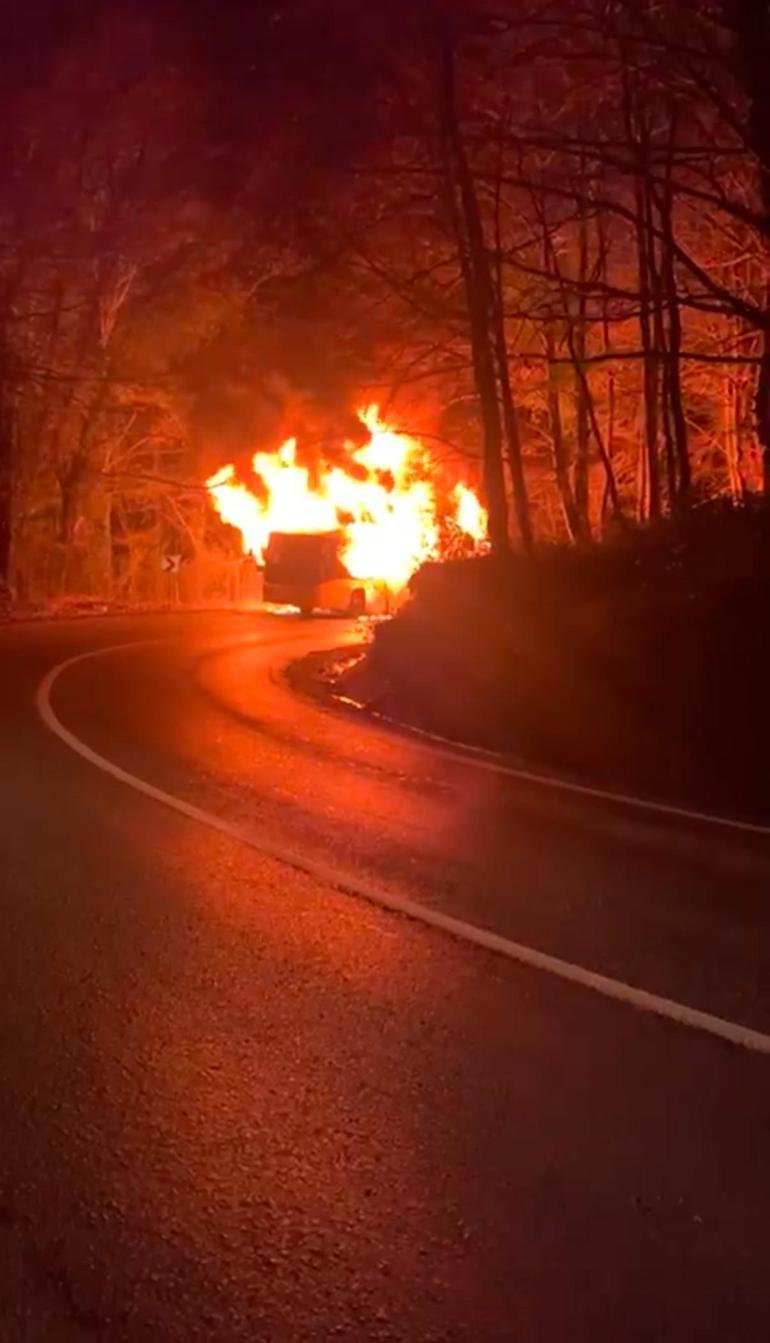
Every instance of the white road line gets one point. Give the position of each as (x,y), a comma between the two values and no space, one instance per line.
(498,764)
(330,876)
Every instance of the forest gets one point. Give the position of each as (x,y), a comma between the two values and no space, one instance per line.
(536,231)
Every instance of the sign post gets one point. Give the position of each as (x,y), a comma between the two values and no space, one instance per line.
(171,565)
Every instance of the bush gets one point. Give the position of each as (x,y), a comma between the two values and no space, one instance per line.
(642,664)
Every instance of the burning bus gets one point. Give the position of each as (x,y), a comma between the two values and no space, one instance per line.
(306,570)
(348,533)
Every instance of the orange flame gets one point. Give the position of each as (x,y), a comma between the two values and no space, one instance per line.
(385,508)
(470,516)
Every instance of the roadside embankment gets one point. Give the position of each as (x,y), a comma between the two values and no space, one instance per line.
(643,666)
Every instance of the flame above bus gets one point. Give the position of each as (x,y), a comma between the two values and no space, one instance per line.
(383,502)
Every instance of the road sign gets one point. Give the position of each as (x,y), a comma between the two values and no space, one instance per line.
(170,564)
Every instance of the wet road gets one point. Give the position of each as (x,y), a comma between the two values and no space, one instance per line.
(239,1104)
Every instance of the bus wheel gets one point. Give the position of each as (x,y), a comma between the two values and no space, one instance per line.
(357,605)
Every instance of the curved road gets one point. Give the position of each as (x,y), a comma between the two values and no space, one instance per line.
(240,1103)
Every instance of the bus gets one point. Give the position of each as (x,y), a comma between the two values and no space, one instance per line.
(305,570)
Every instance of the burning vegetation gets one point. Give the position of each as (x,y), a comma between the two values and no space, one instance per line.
(385,500)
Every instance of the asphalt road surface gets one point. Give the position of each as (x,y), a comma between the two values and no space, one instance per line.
(241,1103)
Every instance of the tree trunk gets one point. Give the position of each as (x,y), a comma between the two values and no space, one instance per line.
(513,437)
(6,508)
(663,353)
(609,435)
(578,328)
(514,451)
(750,23)
(479,295)
(612,485)
(8,430)
(637,136)
(7,454)
(673,362)
(560,459)
(651,365)
(581,378)
(730,433)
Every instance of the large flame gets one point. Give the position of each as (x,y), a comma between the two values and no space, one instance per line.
(384,503)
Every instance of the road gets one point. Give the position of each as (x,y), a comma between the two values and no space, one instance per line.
(242,1103)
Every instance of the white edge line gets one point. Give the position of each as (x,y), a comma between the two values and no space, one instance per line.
(640,999)
(495,763)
